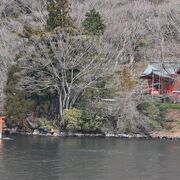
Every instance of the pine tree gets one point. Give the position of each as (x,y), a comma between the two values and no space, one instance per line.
(93,23)
(58,14)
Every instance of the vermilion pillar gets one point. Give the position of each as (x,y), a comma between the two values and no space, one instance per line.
(1,126)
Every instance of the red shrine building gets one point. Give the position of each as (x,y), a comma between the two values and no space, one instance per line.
(163,79)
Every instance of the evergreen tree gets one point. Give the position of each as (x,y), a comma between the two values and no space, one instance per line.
(18,103)
(58,14)
(93,23)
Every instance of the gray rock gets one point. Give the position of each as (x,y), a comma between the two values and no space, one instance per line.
(62,134)
(56,134)
(36,132)
(48,134)
(124,135)
(111,135)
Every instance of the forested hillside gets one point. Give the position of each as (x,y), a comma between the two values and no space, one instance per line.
(76,64)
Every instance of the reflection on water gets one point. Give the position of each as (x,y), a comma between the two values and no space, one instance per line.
(42,158)
(1,148)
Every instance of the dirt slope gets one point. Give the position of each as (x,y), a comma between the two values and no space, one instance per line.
(171,128)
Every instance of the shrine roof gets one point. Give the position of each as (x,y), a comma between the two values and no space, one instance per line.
(166,70)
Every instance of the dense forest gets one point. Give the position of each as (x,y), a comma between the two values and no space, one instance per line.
(75,65)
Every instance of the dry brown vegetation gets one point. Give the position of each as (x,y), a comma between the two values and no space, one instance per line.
(138,31)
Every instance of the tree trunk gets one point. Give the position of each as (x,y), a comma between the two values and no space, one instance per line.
(61,110)
(67,101)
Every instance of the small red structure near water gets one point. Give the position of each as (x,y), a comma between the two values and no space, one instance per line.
(163,79)
(1,125)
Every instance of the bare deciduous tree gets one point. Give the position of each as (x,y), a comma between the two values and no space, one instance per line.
(138,32)
(65,65)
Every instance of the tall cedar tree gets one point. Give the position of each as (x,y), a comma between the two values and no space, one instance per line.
(58,14)
(93,23)
(18,103)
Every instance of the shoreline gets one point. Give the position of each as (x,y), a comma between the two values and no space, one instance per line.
(152,136)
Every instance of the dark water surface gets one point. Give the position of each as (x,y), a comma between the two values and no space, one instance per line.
(49,158)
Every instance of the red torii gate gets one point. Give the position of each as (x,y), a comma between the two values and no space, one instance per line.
(1,125)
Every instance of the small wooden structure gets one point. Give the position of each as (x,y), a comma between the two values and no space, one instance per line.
(1,125)
(162,79)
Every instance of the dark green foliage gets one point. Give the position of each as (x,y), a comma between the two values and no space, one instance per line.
(93,23)
(149,109)
(154,114)
(93,114)
(18,103)
(45,105)
(93,118)
(59,14)
(166,106)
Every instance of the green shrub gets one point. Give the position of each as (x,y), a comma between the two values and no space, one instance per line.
(143,106)
(149,109)
(153,112)
(45,124)
(155,124)
(93,116)
(166,106)
(91,124)
(73,118)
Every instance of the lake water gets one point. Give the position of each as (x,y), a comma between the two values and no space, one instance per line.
(50,158)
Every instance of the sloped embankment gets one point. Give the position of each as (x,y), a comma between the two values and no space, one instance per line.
(171,127)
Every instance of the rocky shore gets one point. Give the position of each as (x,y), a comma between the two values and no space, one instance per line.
(165,135)
(153,135)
